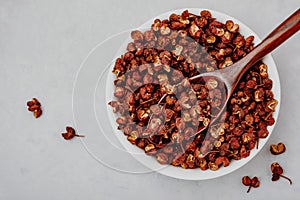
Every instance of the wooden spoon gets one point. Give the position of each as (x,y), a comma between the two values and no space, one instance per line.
(231,75)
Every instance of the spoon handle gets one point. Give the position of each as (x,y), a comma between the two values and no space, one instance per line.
(280,34)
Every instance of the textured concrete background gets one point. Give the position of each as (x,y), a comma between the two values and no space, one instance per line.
(42,44)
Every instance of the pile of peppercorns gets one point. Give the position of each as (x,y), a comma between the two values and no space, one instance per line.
(160,111)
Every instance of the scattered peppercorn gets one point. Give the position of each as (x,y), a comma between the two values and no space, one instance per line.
(254,182)
(35,106)
(71,133)
(277,172)
(277,149)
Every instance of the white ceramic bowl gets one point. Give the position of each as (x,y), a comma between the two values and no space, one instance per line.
(194,174)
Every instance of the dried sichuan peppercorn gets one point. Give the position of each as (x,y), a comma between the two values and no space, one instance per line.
(35,106)
(71,133)
(254,182)
(277,172)
(277,149)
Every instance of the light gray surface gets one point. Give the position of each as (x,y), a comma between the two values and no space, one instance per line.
(42,44)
